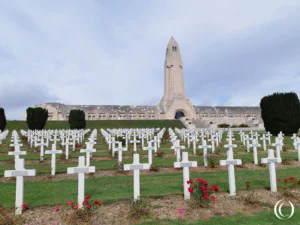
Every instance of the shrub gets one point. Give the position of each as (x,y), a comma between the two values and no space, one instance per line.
(223,125)
(139,209)
(122,140)
(281,112)
(79,215)
(77,119)
(248,185)
(211,160)
(36,118)
(159,154)
(201,193)
(2,119)
(154,168)
(243,125)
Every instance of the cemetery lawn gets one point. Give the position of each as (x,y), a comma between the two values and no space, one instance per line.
(117,188)
(98,124)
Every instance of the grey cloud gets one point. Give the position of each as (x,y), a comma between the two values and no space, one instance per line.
(233,64)
(16,97)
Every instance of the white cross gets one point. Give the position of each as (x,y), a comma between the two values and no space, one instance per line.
(185,164)
(89,150)
(297,144)
(294,138)
(231,162)
(53,153)
(149,149)
(113,142)
(136,167)
(230,145)
(278,145)
(194,140)
(20,172)
(42,144)
(67,143)
(254,145)
(205,147)
(268,135)
(135,141)
(247,139)
(263,138)
(177,149)
(17,152)
(120,149)
(81,170)
(271,160)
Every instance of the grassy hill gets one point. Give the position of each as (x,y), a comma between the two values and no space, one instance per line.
(102,124)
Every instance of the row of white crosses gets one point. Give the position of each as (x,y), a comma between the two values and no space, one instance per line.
(20,172)
(137,135)
(42,139)
(3,135)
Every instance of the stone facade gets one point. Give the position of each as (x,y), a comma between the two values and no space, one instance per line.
(174,104)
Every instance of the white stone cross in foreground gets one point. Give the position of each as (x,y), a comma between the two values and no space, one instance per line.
(53,153)
(271,160)
(205,147)
(231,162)
(185,164)
(20,172)
(89,150)
(254,145)
(136,167)
(81,170)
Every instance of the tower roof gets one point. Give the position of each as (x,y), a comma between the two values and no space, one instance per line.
(172,42)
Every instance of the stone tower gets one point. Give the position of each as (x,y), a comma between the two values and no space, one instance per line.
(174,102)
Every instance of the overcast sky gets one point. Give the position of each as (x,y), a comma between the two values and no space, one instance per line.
(112,51)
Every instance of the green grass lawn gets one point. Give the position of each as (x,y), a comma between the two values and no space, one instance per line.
(98,124)
(116,188)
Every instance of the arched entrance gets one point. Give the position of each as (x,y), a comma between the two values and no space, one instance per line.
(179,114)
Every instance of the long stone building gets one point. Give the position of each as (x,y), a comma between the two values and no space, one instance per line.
(173,105)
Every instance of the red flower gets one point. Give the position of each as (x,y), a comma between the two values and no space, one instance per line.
(216,188)
(191,189)
(56,209)
(1,210)
(98,203)
(181,211)
(24,206)
(85,202)
(190,181)
(286,180)
(87,197)
(206,196)
(291,179)
(278,179)
(89,206)
(198,180)
(75,207)
(70,202)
